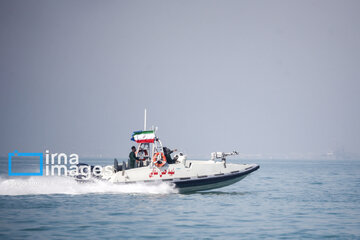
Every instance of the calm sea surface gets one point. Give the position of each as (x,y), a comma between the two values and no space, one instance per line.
(282,200)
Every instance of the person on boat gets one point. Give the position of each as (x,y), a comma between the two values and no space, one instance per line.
(132,157)
(167,153)
(142,154)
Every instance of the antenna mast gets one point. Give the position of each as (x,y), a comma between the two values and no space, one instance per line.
(145,120)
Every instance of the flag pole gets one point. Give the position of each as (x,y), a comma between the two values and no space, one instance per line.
(145,120)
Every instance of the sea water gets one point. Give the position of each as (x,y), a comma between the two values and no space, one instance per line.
(284,199)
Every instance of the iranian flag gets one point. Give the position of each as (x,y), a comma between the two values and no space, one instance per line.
(143,136)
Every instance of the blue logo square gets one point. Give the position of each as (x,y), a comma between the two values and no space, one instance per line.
(15,153)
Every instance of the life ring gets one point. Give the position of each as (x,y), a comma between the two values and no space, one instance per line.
(156,161)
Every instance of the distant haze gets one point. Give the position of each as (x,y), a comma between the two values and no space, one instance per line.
(270,77)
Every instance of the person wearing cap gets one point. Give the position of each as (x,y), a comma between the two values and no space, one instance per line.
(167,153)
(132,157)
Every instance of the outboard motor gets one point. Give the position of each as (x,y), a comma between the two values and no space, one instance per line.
(116,166)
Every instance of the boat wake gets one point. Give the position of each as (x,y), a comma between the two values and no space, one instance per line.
(66,185)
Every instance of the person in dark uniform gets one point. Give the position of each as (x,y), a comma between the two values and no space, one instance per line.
(132,157)
(167,153)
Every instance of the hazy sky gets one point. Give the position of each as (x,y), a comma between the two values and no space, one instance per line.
(256,76)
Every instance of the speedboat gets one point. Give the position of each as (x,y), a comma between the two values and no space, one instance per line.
(186,175)
(156,166)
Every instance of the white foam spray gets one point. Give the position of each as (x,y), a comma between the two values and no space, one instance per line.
(67,185)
